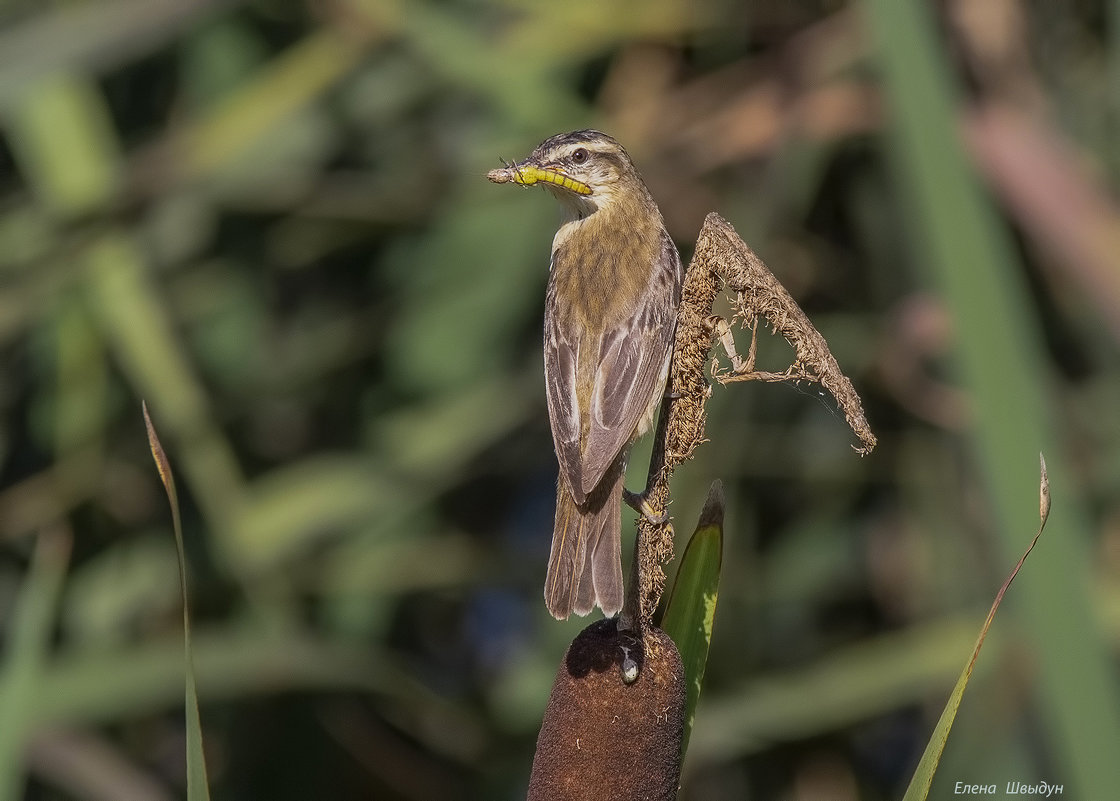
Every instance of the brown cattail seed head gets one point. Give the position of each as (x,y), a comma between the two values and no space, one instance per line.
(605,738)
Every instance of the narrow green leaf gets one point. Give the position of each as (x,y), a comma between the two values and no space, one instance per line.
(260,107)
(26,655)
(197,785)
(1003,367)
(62,135)
(923,775)
(692,605)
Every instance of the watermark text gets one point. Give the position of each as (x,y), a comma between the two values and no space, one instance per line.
(1042,789)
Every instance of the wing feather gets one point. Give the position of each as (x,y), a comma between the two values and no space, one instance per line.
(561,357)
(633,364)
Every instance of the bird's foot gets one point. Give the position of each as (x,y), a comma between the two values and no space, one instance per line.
(640,504)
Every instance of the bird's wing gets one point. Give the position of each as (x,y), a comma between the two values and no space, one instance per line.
(561,355)
(632,361)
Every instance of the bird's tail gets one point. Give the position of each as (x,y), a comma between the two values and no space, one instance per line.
(585,566)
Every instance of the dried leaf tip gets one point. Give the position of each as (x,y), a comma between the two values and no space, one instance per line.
(163,466)
(1043,490)
(712,513)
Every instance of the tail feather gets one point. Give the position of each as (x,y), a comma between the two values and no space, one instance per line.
(606,558)
(585,566)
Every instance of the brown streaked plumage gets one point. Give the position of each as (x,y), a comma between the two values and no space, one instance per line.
(610,313)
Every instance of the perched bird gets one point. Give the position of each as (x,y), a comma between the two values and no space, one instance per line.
(610,314)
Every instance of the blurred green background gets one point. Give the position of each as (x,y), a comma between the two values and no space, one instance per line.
(270,221)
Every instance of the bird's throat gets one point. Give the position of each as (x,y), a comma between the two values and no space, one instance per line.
(601,265)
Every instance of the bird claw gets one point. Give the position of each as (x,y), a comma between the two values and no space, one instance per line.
(640,504)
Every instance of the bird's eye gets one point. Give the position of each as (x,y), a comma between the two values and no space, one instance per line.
(579,156)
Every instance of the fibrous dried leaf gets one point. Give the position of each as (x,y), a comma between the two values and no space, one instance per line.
(722,261)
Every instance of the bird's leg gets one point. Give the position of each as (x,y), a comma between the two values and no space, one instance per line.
(639,502)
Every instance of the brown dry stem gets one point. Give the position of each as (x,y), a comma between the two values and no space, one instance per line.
(722,260)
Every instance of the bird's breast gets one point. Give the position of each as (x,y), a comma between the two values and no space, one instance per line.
(600,271)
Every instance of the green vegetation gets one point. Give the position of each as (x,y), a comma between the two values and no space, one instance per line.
(271,222)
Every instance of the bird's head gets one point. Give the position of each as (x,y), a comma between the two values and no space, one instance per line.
(587,170)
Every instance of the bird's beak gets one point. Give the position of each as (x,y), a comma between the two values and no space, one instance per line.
(527,173)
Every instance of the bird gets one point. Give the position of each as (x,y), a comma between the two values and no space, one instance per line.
(614,288)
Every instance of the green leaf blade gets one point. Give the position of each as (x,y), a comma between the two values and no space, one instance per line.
(690,613)
(26,654)
(198,788)
(922,780)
